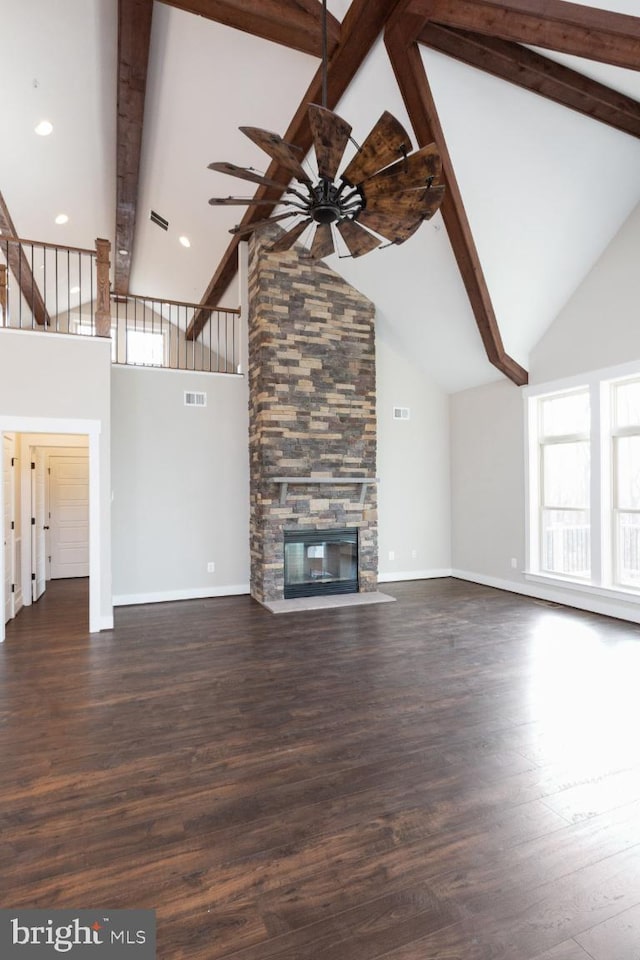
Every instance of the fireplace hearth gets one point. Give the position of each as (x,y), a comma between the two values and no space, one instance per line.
(320,562)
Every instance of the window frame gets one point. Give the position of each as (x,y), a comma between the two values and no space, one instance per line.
(617,433)
(601,384)
(543,443)
(155,333)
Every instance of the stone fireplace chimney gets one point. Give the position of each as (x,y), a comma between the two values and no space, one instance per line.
(312,411)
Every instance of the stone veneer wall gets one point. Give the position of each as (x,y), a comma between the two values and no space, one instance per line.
(311,409)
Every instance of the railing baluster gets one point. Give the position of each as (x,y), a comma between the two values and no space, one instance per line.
(44,287)
(3,294)
(68,291)
(33,317)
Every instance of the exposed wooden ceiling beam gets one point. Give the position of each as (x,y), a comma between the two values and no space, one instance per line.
(18,263)
(134,37)
(554,24)
(361,26)
(414,86)
(293,23)
(517,64)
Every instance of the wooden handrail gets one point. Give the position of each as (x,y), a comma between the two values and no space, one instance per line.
(41,243)
(121,297)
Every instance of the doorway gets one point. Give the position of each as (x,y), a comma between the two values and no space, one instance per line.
(51,433)
(56,484)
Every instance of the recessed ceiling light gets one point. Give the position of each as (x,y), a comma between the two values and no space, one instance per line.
(123,253)
(44,128)
(185,241)
(62,218)
(74,290)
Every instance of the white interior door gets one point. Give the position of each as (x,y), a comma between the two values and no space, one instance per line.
(38,525)
(69,516)
(7,469)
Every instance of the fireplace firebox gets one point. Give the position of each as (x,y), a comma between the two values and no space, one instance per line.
(320,562)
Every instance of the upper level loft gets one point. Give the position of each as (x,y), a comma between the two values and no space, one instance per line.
(52,289)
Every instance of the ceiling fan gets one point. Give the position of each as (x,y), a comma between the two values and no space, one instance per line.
(384,193)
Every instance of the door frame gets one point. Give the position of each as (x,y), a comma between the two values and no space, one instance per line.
(10,534)
(91,428)
(38,534)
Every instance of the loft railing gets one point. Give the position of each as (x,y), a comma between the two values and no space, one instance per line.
(42,284)
(56,289)
(148,331)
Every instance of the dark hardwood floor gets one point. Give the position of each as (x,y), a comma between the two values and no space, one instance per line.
(455,776)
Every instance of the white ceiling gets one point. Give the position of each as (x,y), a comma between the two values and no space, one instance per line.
(545,189)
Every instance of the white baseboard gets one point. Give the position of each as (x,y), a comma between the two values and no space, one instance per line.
(106,623)
(581,601)
(166,596)
(413,575)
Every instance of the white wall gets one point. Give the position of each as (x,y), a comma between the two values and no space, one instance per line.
(180,486)
(598,327)
(487,480)
(56,383)
(414,520)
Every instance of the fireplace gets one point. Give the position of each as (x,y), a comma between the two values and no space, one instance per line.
(320,562)
(312,428)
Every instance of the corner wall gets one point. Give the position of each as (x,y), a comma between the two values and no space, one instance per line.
(598,327)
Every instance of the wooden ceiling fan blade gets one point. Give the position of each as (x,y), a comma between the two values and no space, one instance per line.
(244,173)
(322,245)
(416,203)
(278,150)
(386,143)
(240,201)
(398,205)
(287,240)
(330,137)
(250,227)
(358,240)
(393,229)
(411,173)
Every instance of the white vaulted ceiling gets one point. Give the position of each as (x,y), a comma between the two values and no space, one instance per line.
(545,189)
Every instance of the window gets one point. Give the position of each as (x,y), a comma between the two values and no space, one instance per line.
(625,455)
(583,520)
(145,348)
(564,460)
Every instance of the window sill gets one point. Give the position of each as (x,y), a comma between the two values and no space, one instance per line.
(581,586)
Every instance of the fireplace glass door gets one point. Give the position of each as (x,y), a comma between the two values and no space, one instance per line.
(318,562)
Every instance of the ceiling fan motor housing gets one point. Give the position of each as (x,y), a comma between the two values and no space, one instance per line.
(328,205)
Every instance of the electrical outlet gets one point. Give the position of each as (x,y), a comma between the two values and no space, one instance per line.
(211,567)
(514,563)
(392,554)
(414,554)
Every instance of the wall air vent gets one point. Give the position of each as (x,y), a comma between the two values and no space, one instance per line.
(401,413)
(158,220)
(192,399)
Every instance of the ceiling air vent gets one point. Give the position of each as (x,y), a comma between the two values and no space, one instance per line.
(192,399)
(401,413)
(158,220)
